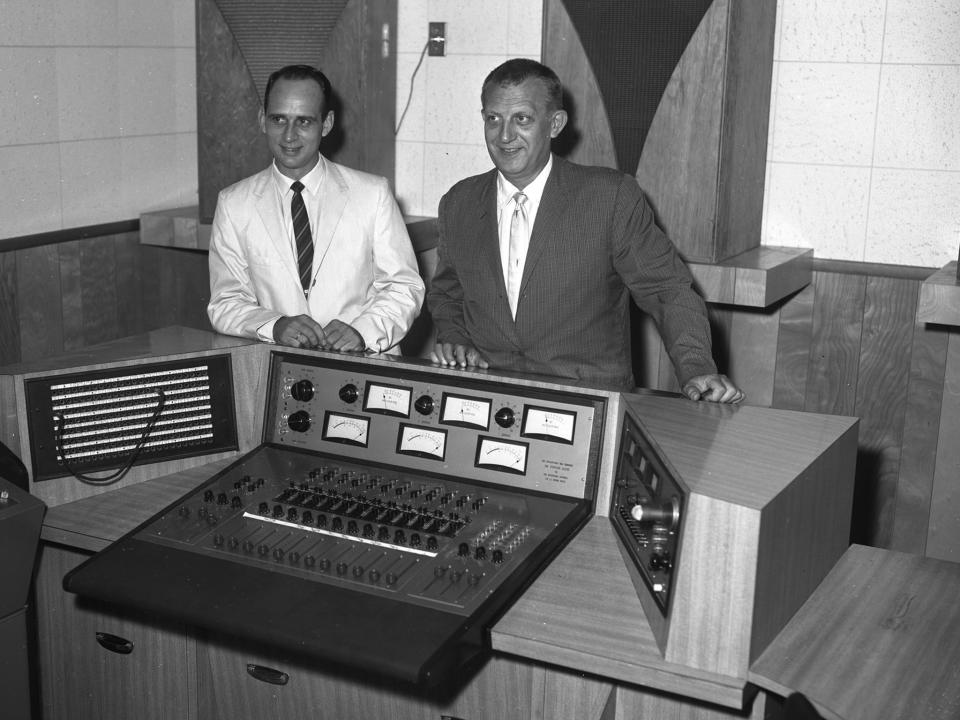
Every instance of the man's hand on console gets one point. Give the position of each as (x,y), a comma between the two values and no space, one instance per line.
(713,388)
(458,355)
(343,337)
(299,331)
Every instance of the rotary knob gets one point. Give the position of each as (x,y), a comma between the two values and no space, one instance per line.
(424,404)
(505,417)
(349,393)
(302,390)
(299,421)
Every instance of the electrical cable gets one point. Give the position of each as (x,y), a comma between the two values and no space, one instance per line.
(410,95)
(122,471)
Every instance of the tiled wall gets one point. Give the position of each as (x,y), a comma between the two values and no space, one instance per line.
(864,140)
(98,116)
(441,137)
(97,111)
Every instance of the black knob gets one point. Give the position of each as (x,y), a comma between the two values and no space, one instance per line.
(299,421)
(504,417)
(497,556)
(309,561)
(342,568)
(278,554)
(463,550)
(294,557)
(349,393)
(480,553)
(302,390)
(374,575)
(424,404)
(324,564)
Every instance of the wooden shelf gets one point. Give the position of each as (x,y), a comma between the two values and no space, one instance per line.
(757,278)
(178,228)
(181,228)
(940,297)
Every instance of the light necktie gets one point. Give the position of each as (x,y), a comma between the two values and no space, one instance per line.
(519,238)
(301,231)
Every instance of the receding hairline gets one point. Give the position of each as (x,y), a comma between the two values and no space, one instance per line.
(517,71)
(295,73)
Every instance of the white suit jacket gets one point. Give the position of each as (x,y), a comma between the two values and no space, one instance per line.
(365,272)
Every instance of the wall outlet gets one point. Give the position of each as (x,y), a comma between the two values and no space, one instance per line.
(436,38)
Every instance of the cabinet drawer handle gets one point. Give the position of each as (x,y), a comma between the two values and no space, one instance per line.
(268,675)
(114,643)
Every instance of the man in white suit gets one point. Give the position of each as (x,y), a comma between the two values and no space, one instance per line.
(362,290)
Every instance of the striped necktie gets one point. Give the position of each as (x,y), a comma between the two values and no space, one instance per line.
(301,231)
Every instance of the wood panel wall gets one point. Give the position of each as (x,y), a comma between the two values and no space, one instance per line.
(850,344)
(61,297)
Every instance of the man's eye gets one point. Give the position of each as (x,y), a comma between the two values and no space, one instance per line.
(305,122)
(523,119)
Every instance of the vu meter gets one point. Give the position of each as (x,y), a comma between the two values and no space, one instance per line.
(387,399)
(502,455)
(421,441)
(350,429)
(465,411)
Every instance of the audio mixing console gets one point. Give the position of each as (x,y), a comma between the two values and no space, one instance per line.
(390,515)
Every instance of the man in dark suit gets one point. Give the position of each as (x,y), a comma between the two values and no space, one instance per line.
(538,258)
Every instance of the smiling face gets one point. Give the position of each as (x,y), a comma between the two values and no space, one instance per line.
(295,122)
(518,124)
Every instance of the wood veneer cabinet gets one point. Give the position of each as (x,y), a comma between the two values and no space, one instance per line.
(81,680)
(502,688)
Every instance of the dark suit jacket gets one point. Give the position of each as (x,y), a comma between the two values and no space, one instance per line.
(593,246)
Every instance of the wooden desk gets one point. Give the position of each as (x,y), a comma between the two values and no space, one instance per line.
(878,640)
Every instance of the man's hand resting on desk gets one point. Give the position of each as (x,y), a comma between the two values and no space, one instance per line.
(713,388)
(305,332)
(299,331)
(458,355)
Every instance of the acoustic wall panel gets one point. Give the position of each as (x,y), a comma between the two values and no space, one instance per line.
(684,90)
(240,42)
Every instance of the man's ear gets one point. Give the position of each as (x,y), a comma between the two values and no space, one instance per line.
(262,120)
(558,122)
(327,124)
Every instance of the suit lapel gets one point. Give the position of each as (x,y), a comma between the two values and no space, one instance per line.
(272,217)
(548,223)
(332,203)
(488,234)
